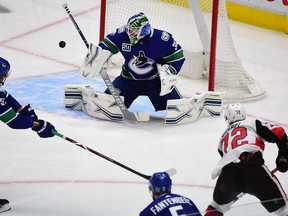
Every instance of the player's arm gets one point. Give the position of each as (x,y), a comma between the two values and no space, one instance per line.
(9,99)
(9,115)
(169,66)
(275,134)
(108,44)
(18,117)
(175,56)
(13,119)
(175,60)
(15,105)
(28,111)
(18,121)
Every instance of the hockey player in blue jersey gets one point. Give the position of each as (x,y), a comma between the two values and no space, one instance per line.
(146,52)
(152,59)
(18,117)
(166,203)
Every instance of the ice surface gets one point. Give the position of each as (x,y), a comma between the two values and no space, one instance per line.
(54,177)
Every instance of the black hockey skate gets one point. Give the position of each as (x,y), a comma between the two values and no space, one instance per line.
(4,205)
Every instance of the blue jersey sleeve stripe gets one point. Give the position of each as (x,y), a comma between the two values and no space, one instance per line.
(8,116)
(110,45)
(176,56)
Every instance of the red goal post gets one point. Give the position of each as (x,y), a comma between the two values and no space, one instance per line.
(202,29)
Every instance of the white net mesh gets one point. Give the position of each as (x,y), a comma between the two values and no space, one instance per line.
(230,75)
(176,17)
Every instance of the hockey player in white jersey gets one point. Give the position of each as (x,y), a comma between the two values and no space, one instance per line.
(242,169)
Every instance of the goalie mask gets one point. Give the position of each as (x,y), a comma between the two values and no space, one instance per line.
(160,183)
(234,113)
(4,70)
(138,27)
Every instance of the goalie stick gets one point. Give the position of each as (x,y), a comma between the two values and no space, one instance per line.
(130,116)
(170,172)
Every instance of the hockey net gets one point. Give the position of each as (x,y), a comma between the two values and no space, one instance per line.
(191,28)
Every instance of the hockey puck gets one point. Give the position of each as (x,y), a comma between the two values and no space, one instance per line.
(62,44)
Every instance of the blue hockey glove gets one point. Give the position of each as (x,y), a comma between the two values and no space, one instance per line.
(29,112)
(44,130)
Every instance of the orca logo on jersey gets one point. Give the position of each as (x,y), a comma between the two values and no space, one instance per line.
(141,64)
(165,36)
(126,47)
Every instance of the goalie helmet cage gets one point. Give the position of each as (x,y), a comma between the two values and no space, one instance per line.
(192,24)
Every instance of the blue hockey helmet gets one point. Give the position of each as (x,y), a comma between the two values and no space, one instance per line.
(160,182)
(4,69)
(137,27)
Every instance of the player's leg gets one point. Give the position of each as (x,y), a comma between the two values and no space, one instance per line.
(224,195)
(266,187)
(126,89)
(160,102)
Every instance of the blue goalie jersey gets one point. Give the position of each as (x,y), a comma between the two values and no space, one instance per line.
(141,58)
(171,205)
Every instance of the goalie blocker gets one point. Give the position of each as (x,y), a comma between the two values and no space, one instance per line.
(103,106)
(168,78)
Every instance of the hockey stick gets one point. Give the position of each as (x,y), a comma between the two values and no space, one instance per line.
(171,171)
(130,116)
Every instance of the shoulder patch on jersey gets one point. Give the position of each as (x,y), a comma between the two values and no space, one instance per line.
(165,36)
(121,29)
(126,47)
(2,101)
(175,44)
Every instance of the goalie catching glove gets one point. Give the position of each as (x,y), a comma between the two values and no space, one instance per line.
(168,78)
(95,60)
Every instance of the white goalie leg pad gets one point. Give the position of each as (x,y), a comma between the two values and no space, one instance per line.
(212,103)
(167,78)
(95,104)
(187,110)
(102,106)
(73,96)
(95,60)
